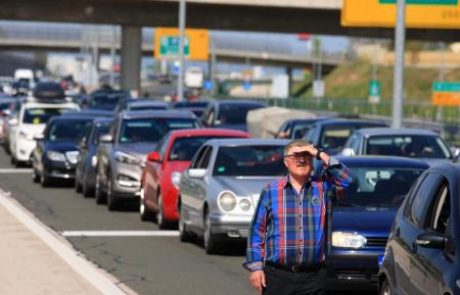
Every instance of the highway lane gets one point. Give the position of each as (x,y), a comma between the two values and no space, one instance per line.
(149,265)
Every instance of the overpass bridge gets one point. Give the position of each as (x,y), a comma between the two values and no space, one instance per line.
(318,17)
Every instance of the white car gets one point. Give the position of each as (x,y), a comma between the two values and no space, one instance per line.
(31,121)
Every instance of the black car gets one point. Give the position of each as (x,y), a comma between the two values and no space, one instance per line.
(229,114)
(105,99)
(422,254)
(141,104)
(56,153)
(85,173)
(332,134)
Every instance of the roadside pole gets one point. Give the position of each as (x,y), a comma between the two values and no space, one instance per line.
(398,80)
(180,79)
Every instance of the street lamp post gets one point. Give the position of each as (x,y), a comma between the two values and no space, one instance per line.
(180,79)
(398,81)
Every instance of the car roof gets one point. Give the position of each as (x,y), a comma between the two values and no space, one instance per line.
(247,141)
(157,114)
(395,131)
(382,161)
(192,104)
(207,131)
(88,113)
(70,118)
(103,120)
(147,102)
(355,122)
(239,102)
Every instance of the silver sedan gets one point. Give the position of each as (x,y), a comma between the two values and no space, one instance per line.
(220,189)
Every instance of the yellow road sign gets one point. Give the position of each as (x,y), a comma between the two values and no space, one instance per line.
(434,14)
(196,45)
(446,98)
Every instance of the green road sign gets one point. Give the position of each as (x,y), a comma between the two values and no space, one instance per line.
(423,2)
(446,87)
(374,91)
(170,46)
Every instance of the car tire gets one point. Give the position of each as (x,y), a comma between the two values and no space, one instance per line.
(112,203)
(211,245)
(385,289)
(45,181)
(78,187)
(35,176)
(86,190)
(99,195)
(184,235)
(144,211)
(160,216)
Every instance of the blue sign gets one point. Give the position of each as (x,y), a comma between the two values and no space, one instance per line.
(247,85)
(208,85)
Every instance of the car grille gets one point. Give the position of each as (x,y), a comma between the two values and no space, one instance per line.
(376,241)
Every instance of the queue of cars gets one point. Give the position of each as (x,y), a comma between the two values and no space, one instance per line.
(207,181)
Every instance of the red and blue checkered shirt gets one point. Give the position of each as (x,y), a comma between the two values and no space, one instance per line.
(290,228)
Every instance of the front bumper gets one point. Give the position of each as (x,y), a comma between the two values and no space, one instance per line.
(62,170)
(232,226)
(126,181)
(353,269)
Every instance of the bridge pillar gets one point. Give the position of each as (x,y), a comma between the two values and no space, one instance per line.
(289,72)
(131,37)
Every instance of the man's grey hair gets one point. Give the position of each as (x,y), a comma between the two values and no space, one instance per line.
(295,143)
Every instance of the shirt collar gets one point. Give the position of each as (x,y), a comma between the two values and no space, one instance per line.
(287,182)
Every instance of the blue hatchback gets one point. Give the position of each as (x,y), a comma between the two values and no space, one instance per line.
(362,216)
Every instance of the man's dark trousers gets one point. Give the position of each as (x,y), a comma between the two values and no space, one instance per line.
(284,282)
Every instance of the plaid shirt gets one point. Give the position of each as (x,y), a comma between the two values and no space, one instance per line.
(288,228)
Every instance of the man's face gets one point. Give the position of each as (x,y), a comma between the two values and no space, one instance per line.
(299,162)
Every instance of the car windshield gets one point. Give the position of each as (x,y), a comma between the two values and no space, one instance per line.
(235,114)
(106,101)
(256,160)
(415,146)
(379,186)
(196,104)
(151,129)
(68,130)
(41,115)
(299,129)
(146,107)
(185,148)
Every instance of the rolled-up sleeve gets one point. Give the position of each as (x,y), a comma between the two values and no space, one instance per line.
(255,252)
(338,175)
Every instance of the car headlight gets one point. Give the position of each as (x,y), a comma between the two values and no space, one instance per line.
(127,158)
(56,156)
(245,205)
(175,178)
(227,201)
(94,161)
(348,240)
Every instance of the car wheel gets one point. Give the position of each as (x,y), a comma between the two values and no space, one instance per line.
(111,200)
(160,217)
(86,190)
(99,195)
(45,181)
(35,176)
(144,212)
(184,235)
(13,160)
(78,188)
(210,241)
(385,289)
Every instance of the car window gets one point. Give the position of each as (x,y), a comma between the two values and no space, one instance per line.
(423,198)
(41,115)
(184,148)
(204,163)
(312,134)
(379,186)
(334,137)
(234,114)
(68,130)
(198,157)
(249,160)
(439,213)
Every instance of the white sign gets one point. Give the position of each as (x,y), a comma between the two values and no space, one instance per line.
(318,88)
(280,86)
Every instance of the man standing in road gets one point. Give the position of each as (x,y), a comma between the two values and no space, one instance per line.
(289,236)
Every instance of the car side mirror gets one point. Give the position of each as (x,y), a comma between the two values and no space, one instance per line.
(197,173)
(5,113)
(154,157)
(106,138)
(431,240)
(39,137)
(456,153)
(348,152)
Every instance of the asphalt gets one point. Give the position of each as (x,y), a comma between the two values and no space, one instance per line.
(146,264)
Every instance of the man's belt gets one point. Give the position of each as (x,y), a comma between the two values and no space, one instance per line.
(296,268)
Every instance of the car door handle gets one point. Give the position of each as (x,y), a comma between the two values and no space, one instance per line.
(414,247)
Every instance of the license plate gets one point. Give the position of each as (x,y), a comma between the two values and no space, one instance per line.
(380,260)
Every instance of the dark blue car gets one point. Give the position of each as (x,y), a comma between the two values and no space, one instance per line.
(56,153)
(85,173)
(362,216)
(422,254)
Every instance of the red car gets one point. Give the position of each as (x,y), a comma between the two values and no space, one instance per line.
(162,172)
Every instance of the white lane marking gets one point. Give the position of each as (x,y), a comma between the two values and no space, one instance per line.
(99,278)
(14,171)
(120,233)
